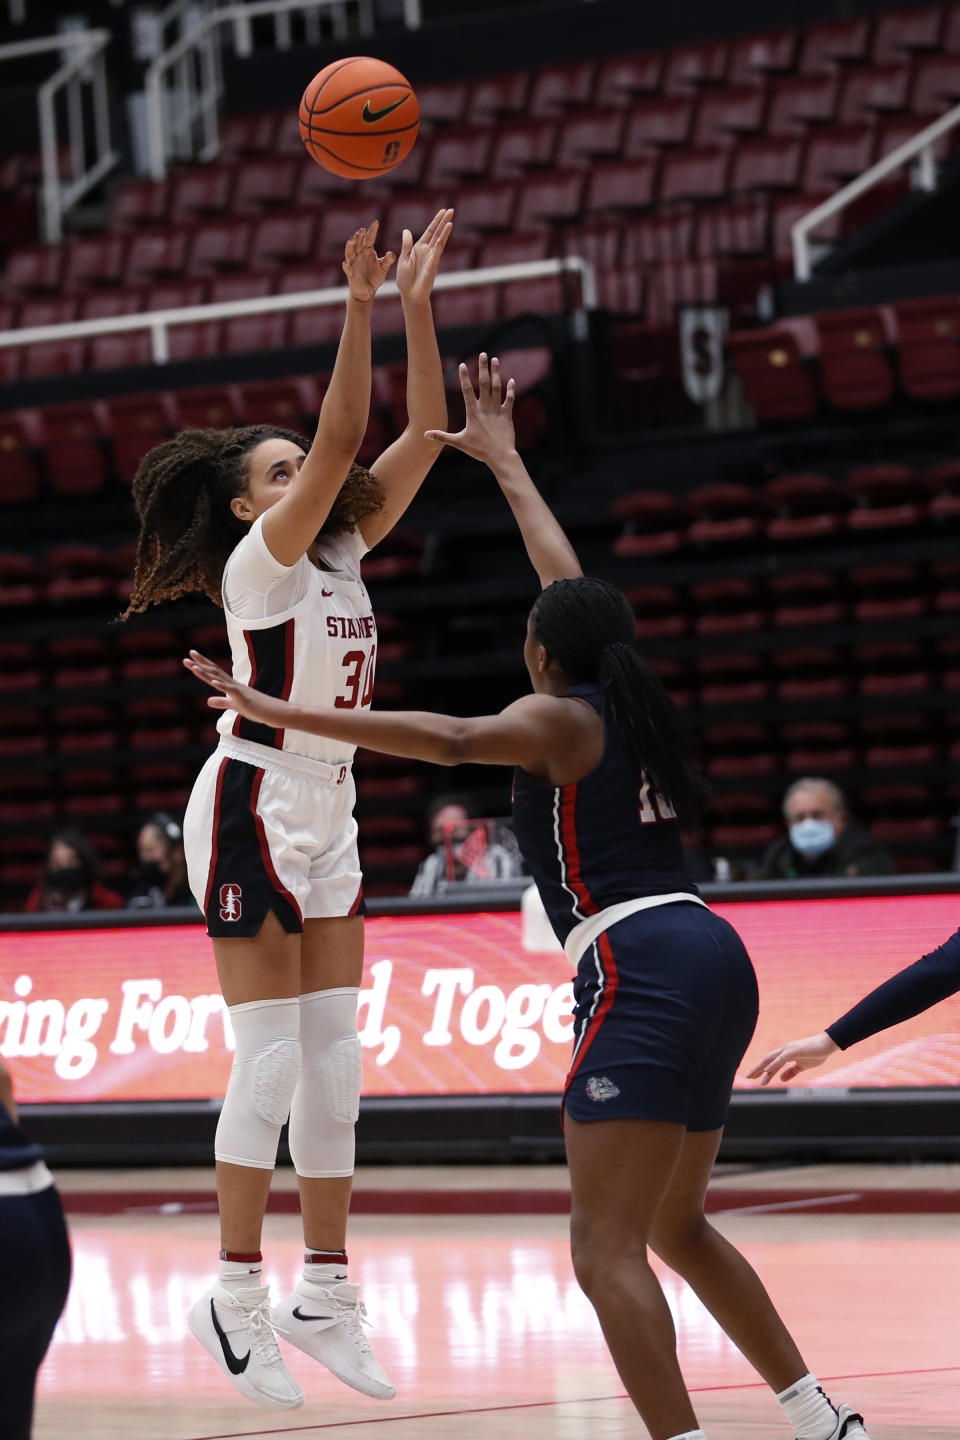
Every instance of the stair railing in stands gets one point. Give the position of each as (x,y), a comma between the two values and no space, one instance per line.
(919,146)
(82,67)
(183,86)
(158,322)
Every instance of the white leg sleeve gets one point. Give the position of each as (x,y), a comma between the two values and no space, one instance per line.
(326,1102)
(265,1067)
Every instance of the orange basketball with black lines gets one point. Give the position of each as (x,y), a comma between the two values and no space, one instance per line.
(359,117)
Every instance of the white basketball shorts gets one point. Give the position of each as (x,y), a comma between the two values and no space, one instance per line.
(266,830)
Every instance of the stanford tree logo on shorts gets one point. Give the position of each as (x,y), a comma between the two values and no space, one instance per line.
(230,902)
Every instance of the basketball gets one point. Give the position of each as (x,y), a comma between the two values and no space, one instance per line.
(359,117)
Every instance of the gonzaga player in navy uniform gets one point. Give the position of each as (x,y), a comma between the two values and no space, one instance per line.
(35,1259)
(666,999)
(274,528)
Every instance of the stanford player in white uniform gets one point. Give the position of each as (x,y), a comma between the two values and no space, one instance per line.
(274,529)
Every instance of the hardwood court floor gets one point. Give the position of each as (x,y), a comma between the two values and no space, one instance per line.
(480,1323)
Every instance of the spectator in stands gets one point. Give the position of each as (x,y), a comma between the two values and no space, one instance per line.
(161,876)
(71,878)
(821,838)
(470,858)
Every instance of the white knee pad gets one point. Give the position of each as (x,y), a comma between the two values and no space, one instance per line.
(326,1102)
(264,1075)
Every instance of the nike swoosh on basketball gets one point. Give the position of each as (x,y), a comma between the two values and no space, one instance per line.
(299,1315)
(372,116)
(235,1366)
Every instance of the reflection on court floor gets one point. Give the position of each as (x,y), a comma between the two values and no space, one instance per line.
(483,1329)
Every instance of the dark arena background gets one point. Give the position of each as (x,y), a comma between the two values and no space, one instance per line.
(718,247)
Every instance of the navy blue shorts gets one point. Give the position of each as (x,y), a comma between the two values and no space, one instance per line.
(666,1005)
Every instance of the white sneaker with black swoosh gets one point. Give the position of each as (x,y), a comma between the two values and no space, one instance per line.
(326,1322)
(237,1327)
(849,1425)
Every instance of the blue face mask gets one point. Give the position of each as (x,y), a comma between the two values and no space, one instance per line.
(812,837)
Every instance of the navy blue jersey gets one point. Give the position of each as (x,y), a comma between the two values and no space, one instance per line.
(16,1151)
(931,979)
(600,841)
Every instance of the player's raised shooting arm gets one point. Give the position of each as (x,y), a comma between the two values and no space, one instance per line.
(292,523)
(404,465)
(488,435)
(528,733)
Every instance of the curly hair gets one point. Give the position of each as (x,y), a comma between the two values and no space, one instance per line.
(182,492)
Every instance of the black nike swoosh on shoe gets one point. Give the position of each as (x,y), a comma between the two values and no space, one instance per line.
(235,1366)
(299,1315)
(372,116)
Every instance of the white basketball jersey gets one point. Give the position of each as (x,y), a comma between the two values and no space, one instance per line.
(319,653)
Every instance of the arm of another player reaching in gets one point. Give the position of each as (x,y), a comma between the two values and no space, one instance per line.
(404,465)
(291,525)
(929,980)
(528,733)
(488,436)
(6,1091)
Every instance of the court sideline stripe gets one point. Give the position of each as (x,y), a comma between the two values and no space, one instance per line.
(569,1400)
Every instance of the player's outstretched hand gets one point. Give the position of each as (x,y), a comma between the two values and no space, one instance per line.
(417,266)
(364,268)
(788,1060)
(251,703)
(488,433)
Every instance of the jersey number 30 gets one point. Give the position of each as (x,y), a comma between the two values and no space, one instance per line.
(354,662)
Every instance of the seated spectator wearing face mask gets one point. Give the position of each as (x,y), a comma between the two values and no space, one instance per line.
(161,876)
(821,838)
(468,858)
(71,878)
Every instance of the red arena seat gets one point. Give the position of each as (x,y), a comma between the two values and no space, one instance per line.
(693,67)
(496,98)
(799,103)
(901,34)
(558,88)
(928,346)
(140,204)
(834,43)
(888,497)
(622,78)
(723,116)
(656,125)
(804,507)
(521,146)
(853,359)
(695,175)
(777,380)
(865,94)
(756,57)
(589,136)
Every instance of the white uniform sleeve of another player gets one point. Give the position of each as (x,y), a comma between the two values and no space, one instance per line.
(255,584)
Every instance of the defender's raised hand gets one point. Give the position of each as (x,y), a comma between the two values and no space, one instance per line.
(251,703)
(364,268)
(417,267)
(488,433)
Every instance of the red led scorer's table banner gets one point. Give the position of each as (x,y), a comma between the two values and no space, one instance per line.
(451,1004)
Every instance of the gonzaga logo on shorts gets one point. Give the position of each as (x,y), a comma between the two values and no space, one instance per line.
(231,902)
(600,1088)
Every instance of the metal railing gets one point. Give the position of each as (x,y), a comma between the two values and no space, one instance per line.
(920,145)
(158,322)
(183,84)
(84,68)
